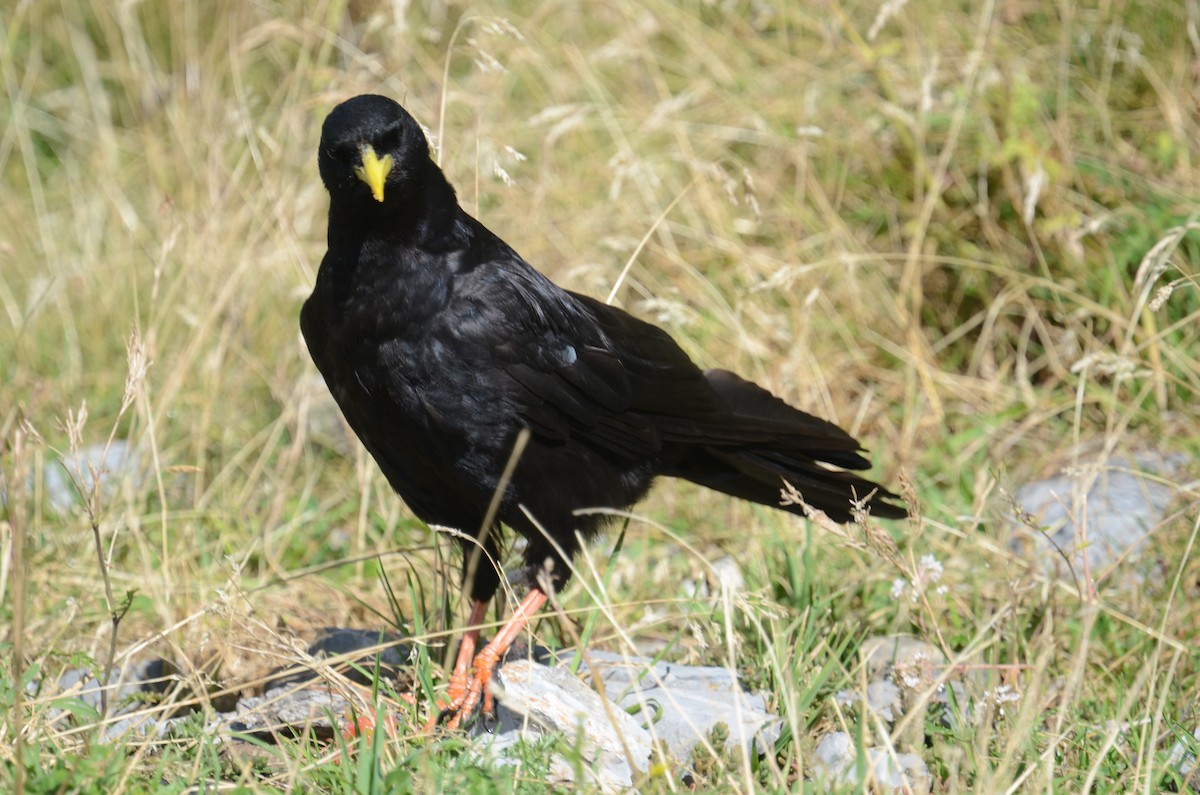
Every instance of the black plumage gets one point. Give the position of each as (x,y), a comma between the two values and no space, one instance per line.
(440,344)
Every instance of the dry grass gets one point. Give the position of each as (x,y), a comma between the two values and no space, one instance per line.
(969,236)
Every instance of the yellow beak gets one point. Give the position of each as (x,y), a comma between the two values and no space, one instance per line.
(374,170)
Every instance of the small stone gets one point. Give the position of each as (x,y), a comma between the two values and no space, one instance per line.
(883,698)
(723,575)
(881,654)
(289,711)
(1125,499)
(901,669)
(504,749)
(142,726)
(123,685)
(834,752)
(835,763)
(728,575)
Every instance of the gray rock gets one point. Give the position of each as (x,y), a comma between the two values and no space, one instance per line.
(536,699)
(723,574)
(889,658)
(882,653)
(1120,501)
(84,685)
(504,749)
(124,686)
(291,711)
(679,705)
(835,763)
(834,752)
(728,574)
(383,655)
(153,724)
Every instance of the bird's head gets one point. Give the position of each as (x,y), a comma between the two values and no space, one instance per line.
(370,148)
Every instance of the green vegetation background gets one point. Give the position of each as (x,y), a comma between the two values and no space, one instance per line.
(967,232)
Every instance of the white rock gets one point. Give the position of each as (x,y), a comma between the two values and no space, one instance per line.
(836,763)
(535,699)
(723,575)
(689,702)
(728,573)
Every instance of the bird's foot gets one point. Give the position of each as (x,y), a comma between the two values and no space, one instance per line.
(464,702)
(456,695)
(460,678)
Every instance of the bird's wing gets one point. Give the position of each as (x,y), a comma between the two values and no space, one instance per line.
(716,407)
(592,372)
(786,427)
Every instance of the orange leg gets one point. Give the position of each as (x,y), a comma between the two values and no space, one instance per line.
(466,651)
(464,703)
(459,678)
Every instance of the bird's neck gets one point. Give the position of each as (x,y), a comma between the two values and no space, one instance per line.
(435,211)
(405,247)
(421,217)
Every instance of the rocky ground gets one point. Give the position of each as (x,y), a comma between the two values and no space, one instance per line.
(622,708)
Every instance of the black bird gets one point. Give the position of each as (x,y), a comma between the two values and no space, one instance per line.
(441,344)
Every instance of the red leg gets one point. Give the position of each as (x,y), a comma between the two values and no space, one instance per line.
(487,659)
(460,678)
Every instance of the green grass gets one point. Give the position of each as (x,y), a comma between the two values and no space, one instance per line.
(969,234)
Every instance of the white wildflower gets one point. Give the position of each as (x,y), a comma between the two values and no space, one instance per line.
(1001,695)
(911,673)
(930,569)
(1005,694)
